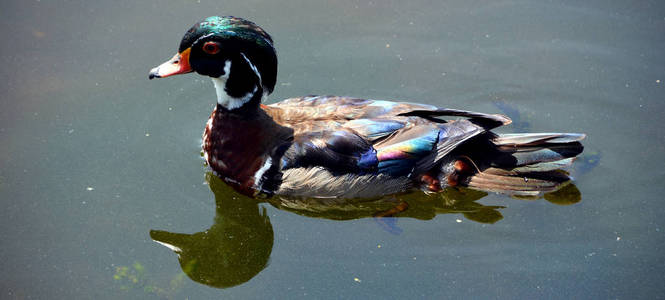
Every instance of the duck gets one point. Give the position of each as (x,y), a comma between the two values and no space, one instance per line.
(338,147)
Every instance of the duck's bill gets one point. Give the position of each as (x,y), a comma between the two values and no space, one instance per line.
(179,64)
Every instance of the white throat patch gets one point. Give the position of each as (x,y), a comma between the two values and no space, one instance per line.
(225,99)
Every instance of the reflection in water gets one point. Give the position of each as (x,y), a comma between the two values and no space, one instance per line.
(238,245)
(233,250)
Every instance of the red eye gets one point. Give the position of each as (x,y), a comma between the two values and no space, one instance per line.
(211,47)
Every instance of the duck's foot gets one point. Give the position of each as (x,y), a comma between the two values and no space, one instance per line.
(430,182)
(462,171)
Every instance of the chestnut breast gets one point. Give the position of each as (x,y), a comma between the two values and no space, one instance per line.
(237,146)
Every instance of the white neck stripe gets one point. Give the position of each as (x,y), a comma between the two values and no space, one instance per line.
(251,65)
(223,98)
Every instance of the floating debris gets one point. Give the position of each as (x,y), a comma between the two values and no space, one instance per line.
(38,34)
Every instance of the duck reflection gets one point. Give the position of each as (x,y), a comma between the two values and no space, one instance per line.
(238,244)
(233,250)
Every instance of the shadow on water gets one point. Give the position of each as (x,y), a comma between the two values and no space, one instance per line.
(238,244)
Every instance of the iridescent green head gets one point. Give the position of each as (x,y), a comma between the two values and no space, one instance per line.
(238,55)
(229,27)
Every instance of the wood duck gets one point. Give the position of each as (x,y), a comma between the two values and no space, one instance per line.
(343,147)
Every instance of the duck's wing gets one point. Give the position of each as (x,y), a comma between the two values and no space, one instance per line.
(363,135)
(349,147)
(416,149)
(399,146)
(338,163)
(313,108)
(337,150)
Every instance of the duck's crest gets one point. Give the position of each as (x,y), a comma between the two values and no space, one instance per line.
(229,26)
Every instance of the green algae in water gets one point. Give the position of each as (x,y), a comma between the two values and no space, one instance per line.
(134,277)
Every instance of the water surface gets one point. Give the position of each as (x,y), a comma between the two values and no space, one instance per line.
(96,160)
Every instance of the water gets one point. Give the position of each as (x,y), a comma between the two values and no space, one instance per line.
(94,156)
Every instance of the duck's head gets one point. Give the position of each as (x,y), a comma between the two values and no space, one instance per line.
(237,54)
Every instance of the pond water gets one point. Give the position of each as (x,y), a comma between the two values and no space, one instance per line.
(97,163)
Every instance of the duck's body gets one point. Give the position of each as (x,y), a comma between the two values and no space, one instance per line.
(341,147)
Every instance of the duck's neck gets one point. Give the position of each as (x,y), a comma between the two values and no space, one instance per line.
(239,85)
(240,105)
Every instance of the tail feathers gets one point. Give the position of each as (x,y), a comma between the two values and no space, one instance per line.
(511,158)
(528,164)
(545,166)
(536,152)
(527,139)
(516,183)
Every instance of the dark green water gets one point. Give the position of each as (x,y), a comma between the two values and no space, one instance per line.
(95,160)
